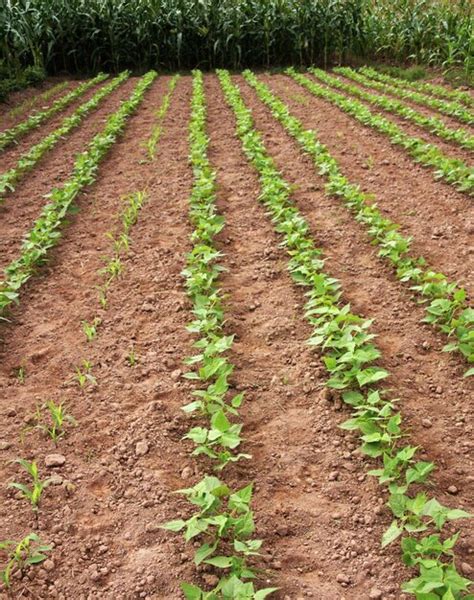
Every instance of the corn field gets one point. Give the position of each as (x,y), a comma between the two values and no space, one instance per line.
(90,35)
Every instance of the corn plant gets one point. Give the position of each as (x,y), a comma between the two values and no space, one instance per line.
(20,374)
(454,171)
(446,306)
(45,232)
(84,374)
(28,160)
(20,555)
(132,358)
(173,35)
(8,136)
(345,343)
(53,423)
(154,138)
(90,329)
(34,493)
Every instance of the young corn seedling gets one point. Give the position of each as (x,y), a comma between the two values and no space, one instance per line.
(90,329)
(20,373)
(84,374)
(57,418)
(132,358)
(20,555)
(32,494)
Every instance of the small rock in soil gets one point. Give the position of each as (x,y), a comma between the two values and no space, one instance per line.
(4,445)
(452,489)
(186,473)
(466,569)
(141,448)
(343,578)
(54,460)
(375,594)
(426,423)
(48,565)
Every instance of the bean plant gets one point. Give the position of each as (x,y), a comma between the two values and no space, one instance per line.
(45,232)
(453,170)
(350,355)
(223,525)
(446,305)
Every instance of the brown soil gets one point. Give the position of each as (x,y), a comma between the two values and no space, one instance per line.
(24,205)
(439,218)
(450,149)
(17,98)
(426,110)
(319,515)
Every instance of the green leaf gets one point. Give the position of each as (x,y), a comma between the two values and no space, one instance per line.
(191,592)
(223,562)
(391,534)
(174,525)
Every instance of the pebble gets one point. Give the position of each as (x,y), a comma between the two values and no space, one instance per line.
(142,448)
(54,460)
(375,594)
(343,578)
(4,445)
(452,489)
(186,473)
(426,423)
(467,569)
(48,565)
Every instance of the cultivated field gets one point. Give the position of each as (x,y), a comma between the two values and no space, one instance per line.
(289,259)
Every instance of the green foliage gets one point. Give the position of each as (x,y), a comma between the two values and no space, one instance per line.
(89,35)
(224,521)
(19,79)
(10,136)
(54,425)
(32,494)
(28,160)
(431,123)
(454,171)
(29,551)
(388,84)
(45,232)
(37,99)
(154,138)
(445,303)
(349,355)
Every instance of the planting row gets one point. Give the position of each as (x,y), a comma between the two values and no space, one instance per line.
(46,230)
(432,124)
(447,307)
(427,88)
(37,99)
(53,419)
(349,354)
(452,170)
(223,523)
(28,160)
(384,83)
(33,121)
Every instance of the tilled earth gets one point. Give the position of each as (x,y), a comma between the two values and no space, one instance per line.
(320,516)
